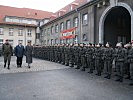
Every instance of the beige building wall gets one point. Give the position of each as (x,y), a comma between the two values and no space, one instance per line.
(15,37)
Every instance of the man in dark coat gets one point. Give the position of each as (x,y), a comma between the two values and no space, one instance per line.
(28,53)
(19,52)
(7,52)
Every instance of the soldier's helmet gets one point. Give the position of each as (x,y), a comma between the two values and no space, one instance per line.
(76,44)
(98,45)
(119,44)
(71,44)
(107,44)
(81,44)
(127,45)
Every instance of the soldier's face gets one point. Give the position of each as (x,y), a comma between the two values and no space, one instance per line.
(7,41)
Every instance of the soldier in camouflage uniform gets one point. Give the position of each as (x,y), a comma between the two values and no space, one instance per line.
(127,63)
(71,55)
(76,55)
(130,60)
(66,51)
(98,59)
(108,60)
(83,56)
(56,53)
(120,54)
(63,54)
(89,57)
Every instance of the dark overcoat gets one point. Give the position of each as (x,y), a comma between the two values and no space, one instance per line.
(28,53)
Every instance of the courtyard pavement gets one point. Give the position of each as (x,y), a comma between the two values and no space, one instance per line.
(51,81)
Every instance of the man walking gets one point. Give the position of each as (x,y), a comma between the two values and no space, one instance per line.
(7,52)
(19,52)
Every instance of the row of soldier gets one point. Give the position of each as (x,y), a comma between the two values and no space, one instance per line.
(93,57)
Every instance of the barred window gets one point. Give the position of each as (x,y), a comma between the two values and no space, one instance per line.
(20,32)
(62,26)
(11,31)
(29,32)
(68,24)
(57,28)
(75,24)
(85,19)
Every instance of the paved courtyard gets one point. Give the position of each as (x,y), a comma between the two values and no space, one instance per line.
(37,65)
(51,81)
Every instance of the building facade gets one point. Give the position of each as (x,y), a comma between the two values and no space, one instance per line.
(20,24)
(93,21)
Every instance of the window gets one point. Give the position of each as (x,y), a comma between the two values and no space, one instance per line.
(20,32)
(68,24)
(76,39)
(29,32)
(56,41)
(84,37)
(48,42)
(45,32)
(85,19)
(20,41)
(57,28)
(11,42)
(75,24)
(62,26)
(52,30)
(29,41)
(1,31)
(52,41)
(20,20)
(48,33)
(10,31)
(1,42)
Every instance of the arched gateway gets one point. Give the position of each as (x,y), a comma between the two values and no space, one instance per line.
(116,24)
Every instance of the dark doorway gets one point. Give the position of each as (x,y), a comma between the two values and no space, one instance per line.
(117,26)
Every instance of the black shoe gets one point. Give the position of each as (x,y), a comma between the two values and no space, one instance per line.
(8,68)
(77,68)
(90,72)
(96,74)
(99,74)
(67,64)
(4,66)
(131,84)
(83,69)
(29,67)
(128,77)
(119,80)
(71,66)
(106,77)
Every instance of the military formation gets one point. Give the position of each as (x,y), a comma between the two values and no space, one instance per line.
(98,58)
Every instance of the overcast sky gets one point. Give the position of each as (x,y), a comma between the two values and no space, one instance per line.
(46,5)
